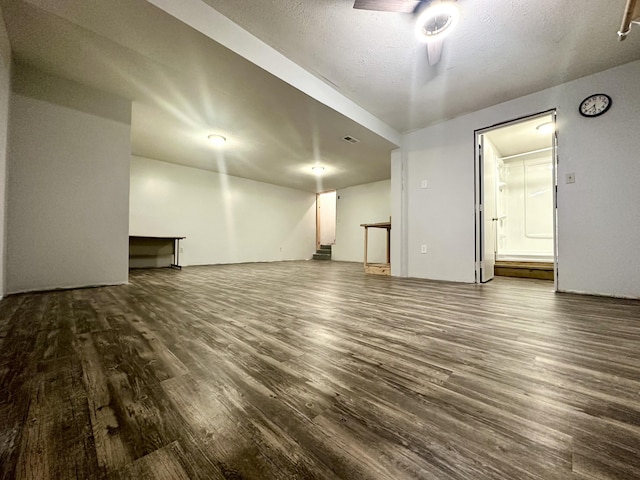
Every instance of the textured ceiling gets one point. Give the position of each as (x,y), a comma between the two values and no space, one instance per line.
(501,49)
(185,84)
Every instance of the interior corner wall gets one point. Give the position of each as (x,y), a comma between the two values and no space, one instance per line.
(598,218)
(68,184)
(225,219)
(5,90)
(368,203)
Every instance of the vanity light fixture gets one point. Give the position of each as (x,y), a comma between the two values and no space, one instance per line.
(545,128)
(217,140)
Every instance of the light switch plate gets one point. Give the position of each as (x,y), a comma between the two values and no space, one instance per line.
(423,184)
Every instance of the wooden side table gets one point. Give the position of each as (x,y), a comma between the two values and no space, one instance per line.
(377,268)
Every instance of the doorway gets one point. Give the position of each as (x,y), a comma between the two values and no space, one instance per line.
(516,199)
(325,219)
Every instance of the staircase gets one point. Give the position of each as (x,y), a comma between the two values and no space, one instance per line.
(323,253)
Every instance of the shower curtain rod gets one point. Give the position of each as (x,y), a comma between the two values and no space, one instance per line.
(526,153)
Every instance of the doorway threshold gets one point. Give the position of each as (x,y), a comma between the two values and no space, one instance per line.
(539,270)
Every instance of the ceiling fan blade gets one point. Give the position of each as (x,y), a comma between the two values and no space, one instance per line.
(400,6)
(434,51)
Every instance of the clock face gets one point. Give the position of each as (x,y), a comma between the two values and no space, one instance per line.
(595,105)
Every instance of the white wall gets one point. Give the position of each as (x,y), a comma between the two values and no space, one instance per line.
(598,219)
(68,188)
(368,203)
(225,219)
(440,216)
(5,76)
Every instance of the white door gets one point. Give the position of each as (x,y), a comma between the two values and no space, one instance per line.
(488,212)
(554,163)
(327,221)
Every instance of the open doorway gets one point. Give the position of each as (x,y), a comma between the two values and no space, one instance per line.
(325,219)
(516,197)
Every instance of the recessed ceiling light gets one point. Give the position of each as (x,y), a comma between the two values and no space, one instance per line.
(437,21)
(217,139)
(317,169)
(545,128)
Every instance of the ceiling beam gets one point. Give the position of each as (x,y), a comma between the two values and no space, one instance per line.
(219,28)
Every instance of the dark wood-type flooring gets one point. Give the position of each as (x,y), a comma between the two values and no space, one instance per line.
(303,370)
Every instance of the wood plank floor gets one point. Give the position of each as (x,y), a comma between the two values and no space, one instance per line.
(314,370)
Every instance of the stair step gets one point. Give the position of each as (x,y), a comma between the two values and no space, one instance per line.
(540,270)
(325,247)
(531,265)
(321,256)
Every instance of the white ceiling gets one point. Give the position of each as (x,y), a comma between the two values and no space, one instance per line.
(185,85)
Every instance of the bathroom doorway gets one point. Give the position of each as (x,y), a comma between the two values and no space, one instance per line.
(516,197)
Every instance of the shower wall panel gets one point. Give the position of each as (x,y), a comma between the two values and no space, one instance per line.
(528,194)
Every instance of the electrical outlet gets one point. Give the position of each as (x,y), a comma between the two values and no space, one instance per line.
(423,249)
(423,184)
(570,178)
(181,250)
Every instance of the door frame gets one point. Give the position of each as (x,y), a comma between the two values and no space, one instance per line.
(478,193)
(318,221)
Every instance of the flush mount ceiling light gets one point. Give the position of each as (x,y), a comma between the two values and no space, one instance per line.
(317,169)
(217,139)
(437,21)
(545,128)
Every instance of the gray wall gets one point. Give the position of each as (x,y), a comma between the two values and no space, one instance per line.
(68,184)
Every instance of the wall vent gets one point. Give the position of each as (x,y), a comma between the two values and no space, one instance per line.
(350,139)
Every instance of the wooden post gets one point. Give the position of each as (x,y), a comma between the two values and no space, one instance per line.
(389,245)
(366,240)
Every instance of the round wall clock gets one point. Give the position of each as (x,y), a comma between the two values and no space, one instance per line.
(595,105)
